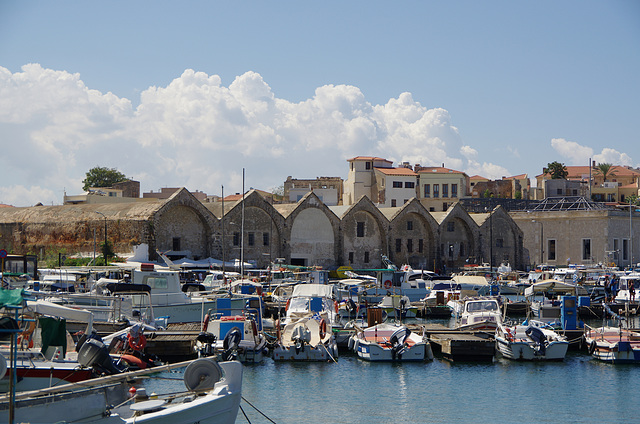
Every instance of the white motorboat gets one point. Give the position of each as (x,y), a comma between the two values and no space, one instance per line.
(545,298)
(312,299)
(390,342)
(535,341)
(236,336)
(476,313)
(397,307)
(213,393)
(305,340)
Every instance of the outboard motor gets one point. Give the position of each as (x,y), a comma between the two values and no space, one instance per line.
(93,353)
(351,306)
(397,342)
(205,344)
(230,344)
(539,338)
(300,336)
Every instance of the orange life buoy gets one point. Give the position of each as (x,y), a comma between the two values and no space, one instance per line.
(138,343)
(25,336)
(387,284)
(134,360)
(323,328)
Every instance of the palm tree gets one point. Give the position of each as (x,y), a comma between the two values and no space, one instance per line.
(606,170)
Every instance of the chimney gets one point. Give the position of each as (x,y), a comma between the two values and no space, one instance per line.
(443,164)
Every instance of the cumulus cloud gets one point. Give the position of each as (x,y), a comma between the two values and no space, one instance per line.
(197,133)
(576,154)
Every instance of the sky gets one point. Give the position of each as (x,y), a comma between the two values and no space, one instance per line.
(188,94)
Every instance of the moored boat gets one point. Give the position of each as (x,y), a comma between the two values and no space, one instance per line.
(390,342)
(534,341)
(305,340)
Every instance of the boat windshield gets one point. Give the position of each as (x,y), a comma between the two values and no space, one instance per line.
(487,305)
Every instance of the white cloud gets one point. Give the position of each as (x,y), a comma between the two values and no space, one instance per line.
(576,154)
(197,133)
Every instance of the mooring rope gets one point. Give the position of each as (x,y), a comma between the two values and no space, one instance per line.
(251,405)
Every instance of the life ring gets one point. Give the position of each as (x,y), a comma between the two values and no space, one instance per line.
(323,328)
(387,284)
(277,325)
(25,336)
(138,343)
(592,347)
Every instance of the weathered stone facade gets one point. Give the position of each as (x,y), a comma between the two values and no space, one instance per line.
(305,233)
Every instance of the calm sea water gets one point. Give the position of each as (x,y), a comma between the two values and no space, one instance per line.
(577,390)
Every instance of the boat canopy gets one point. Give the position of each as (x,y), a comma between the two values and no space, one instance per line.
(312,290)
(473,280)
(555,286)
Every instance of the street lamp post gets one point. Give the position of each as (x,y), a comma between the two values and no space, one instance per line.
(104,252)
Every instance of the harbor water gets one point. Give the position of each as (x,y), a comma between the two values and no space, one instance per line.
(577,390)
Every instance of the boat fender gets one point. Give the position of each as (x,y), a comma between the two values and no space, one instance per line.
(205,323)
(335,305)
(323,328)
(254,327)
(3,366)
(592,347)
(137,343)
(277,325)
(135,361)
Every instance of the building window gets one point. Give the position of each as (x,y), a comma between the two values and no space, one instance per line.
(265,239)
(462,253)
(366,257)
(586,249)
(397,184)
(252,239)
(445,206)
(625,249)
(445,190)
(451,226)
(398,245)
(350,257)
(454,190)
(551,250)
(427,190)
(409,245)
(432,209)
(393,203)
(409,225)
(236,239)
(499,242)
(451,251)
(559,192)
(409,184)
(420,245)
(367,165)
(436,190)
(176,244)
(360,229)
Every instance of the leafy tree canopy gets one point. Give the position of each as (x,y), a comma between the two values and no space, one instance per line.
(102,177)
(557,170)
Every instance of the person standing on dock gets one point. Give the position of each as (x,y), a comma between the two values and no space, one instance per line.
(631,286)
(607,289)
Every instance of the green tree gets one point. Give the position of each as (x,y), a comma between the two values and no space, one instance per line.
(102,177)
(557,170)
(606,170)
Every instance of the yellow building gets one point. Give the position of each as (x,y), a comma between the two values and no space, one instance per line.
(440,187)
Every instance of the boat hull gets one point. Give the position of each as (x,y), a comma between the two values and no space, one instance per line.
(526,351)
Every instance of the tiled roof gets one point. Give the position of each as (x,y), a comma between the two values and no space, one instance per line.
(577,172)
(396,171)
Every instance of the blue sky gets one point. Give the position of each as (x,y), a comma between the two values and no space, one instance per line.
(188,93)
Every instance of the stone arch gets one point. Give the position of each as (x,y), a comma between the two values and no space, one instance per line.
(413,237)
(364,235)
(258,241)
(183,224)
(502,238)
(458,239)
(313,233)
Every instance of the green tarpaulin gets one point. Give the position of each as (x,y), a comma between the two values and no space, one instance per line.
(11,297)
(54,333)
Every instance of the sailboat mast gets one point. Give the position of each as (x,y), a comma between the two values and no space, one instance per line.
(242,232)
